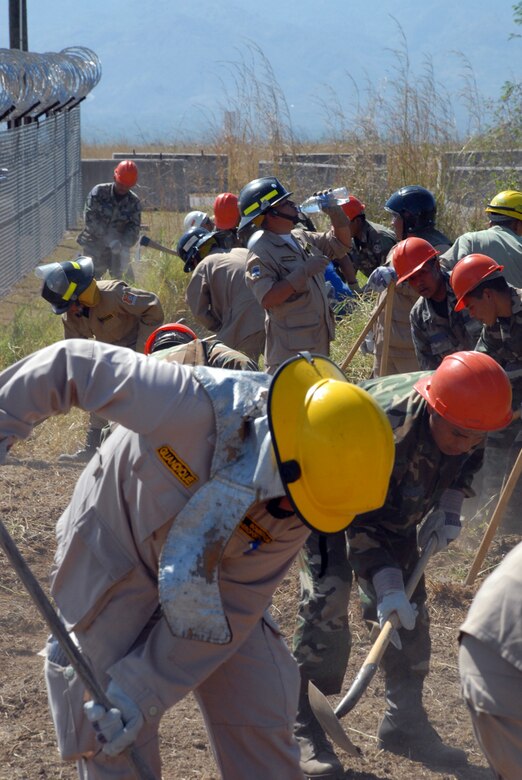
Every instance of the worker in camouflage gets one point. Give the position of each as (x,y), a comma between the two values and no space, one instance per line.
(371,243)
(112,219)
(481,287)
(437,329)
(435,461)
(413,209)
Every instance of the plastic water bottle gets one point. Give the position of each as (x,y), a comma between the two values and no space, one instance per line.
(314,204)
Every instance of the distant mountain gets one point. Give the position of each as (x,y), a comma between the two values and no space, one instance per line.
(168,66)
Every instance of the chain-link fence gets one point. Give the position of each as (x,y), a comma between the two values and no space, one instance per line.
(40,197)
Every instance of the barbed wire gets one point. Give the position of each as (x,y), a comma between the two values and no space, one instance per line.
(33,84)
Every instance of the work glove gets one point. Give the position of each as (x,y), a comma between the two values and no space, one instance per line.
(391,597)
(368,345)
(316,264)
(118,727)
(115,246)
(381,278)
(443,522)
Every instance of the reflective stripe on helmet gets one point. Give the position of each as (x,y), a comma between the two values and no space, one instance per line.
(69,291)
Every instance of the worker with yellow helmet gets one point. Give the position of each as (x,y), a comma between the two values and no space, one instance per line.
(501,240)
(178,533)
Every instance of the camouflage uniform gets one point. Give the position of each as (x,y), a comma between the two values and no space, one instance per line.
(503,341)
(124,316)
(385,537)
(438,330)
(110,217)
(371,248)
(402,354)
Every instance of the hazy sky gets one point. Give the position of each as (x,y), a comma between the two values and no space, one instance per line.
(168,67)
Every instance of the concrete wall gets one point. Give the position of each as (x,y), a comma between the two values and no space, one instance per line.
(180,182)
(161,184)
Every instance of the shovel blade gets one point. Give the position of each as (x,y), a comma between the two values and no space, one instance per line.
(329,721)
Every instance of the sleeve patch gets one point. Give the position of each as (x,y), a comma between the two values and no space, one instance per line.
(129,298)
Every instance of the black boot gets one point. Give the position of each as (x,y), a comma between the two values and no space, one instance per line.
(84,454)
(318,760)
(405,728)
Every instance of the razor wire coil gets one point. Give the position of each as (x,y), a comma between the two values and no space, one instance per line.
(32,84)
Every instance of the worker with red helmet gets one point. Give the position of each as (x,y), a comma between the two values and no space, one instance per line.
(413,210)
(437,329)
(112,219)
(371,243)
(177,343)
(480,286)
(440,421)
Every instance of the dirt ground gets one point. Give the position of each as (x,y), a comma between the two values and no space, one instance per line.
(33,492)
(34,489)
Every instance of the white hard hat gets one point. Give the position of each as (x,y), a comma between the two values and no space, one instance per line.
(194,219)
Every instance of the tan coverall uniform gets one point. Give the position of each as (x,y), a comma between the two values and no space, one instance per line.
(105,574)
(124,316)
(490,662)
(207,352)
(220,300)
(304,321)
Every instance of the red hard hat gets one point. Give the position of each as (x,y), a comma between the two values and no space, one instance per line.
(155,340)
(469,272)
(353,207)
(409,256)
(126,173)
(226,212)
(470,390)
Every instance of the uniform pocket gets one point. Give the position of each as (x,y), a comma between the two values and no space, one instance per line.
(89,563)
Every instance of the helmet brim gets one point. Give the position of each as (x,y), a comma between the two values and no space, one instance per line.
(288,390)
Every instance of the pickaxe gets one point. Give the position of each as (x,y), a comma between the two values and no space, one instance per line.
(329,718)
(146,241)
(75,658)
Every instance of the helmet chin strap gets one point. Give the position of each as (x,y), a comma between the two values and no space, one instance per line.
(294,220)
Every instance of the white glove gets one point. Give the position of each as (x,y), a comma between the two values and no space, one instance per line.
(118,727)
(444,522)
(381,278)
(368,345)
(115,246)
(391,597)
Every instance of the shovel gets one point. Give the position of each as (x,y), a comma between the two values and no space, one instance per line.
(329,718)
